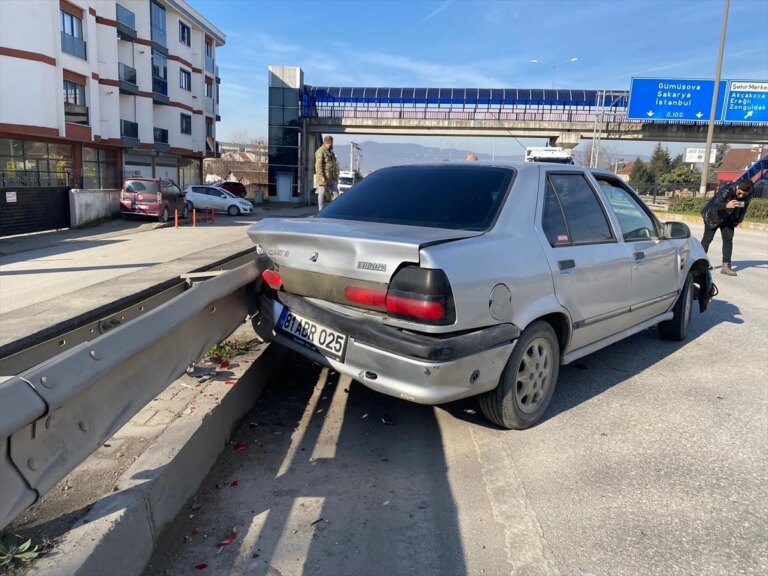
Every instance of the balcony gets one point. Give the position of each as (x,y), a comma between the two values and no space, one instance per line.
(127,76)
(161,140)
(74,46)
(129,134)
(160,91)
(209,65)
(75,114)
(159,40)
(209,105)
(218,78)
(126,24)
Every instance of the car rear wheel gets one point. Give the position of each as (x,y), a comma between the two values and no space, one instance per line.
(528,382)
(164,215)
(186,211)
(233,211)
(677,328)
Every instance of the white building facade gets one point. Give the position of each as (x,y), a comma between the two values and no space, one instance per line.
(94,91)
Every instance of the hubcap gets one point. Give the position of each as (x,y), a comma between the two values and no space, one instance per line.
(534,375)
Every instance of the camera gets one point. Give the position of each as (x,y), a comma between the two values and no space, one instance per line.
(740,204)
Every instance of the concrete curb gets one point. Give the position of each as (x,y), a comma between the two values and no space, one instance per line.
(119,533)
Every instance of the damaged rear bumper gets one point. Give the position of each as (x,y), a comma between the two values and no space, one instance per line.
(423,368)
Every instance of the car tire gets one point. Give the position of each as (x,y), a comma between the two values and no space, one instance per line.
(677,327)
(233,211)
(186,211)
(164,215)
(528,381)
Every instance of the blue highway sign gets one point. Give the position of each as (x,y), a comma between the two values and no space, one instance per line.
(747,101)
(665,99)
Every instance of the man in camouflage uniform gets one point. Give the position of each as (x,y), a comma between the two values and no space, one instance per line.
(326,173)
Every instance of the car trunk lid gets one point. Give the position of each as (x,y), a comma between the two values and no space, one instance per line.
(320,258)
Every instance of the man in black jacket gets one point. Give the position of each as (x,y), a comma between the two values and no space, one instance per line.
(726,211)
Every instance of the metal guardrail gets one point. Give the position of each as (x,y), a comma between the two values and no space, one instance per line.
(54,414)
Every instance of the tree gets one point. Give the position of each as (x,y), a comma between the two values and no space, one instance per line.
(683,176)
(659,163)
(605,159)
(641,178)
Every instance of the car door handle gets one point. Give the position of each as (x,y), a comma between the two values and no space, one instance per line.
(566,264)
(639,255)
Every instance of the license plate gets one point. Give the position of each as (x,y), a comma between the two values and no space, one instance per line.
(141,206)
(312,335)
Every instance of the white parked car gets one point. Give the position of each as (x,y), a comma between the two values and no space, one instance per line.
(220,200)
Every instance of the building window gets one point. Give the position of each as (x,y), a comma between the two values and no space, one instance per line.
(186,124)
(208,128)
(185,34)
(72,35)
(185,80)
(208,89)
(159,73)
(209,56)
(157,23)
(74,93)
(29,163)
(99,169)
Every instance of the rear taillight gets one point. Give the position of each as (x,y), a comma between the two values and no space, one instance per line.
(365,296)
(421,294)
(273,279)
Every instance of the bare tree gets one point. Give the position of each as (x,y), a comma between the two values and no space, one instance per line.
(606,158)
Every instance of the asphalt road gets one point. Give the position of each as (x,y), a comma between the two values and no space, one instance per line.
(652,460)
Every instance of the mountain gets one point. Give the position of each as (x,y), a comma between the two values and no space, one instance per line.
(377,155)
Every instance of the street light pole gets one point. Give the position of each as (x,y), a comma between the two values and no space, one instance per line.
(553,66)
(713,109)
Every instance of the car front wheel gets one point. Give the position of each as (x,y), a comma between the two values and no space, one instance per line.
(677,327)
(528,382)
(233,211)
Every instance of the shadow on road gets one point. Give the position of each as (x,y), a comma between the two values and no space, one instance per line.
(329,478)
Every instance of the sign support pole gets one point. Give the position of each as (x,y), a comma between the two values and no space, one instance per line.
(711,124)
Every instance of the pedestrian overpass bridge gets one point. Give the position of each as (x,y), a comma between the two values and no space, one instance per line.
(300,114)
(563,116)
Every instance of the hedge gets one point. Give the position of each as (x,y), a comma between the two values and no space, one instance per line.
(758,207)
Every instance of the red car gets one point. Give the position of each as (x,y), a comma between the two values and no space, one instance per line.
(235,187)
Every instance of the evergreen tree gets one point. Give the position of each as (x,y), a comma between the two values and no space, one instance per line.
(641,178)
(682,175)
(660,163)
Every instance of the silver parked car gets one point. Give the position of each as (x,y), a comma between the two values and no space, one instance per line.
(438,282)
(220,200)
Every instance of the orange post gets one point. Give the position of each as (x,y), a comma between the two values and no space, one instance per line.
(194,217)
(175,218)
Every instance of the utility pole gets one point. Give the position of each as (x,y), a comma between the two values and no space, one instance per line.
(713,109)
(352,149)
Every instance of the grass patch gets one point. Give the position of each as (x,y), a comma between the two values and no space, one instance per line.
(15,551)
(230,348)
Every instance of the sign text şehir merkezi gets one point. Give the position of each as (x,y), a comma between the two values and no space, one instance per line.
(747,101)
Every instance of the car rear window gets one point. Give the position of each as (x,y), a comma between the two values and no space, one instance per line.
(455,197)
(139,186)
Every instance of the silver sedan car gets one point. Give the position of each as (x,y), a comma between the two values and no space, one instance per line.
(438,282)
(218,199)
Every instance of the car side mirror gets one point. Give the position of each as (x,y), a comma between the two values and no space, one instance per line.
(676,230)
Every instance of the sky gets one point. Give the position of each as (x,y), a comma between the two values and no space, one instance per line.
(477,44)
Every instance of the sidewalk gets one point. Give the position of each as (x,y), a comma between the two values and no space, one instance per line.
(22,243)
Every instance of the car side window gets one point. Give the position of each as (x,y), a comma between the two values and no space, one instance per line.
(584,215)
(634,222)
(552,219)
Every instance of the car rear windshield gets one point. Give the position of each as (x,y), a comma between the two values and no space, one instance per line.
(455,197)
(135,186)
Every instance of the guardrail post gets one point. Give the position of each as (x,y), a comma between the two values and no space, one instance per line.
(176,218)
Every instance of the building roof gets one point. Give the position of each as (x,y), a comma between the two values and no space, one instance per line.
(627,168)
(738,160)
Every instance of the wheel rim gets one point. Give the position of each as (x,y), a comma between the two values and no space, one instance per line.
(233,211)
(164,215)
(534,375)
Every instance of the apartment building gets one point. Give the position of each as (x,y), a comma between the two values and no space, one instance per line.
(93,91)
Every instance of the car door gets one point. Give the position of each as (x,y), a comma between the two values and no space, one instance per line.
(200,197)
(219,199)
(656,262)
(591,270)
